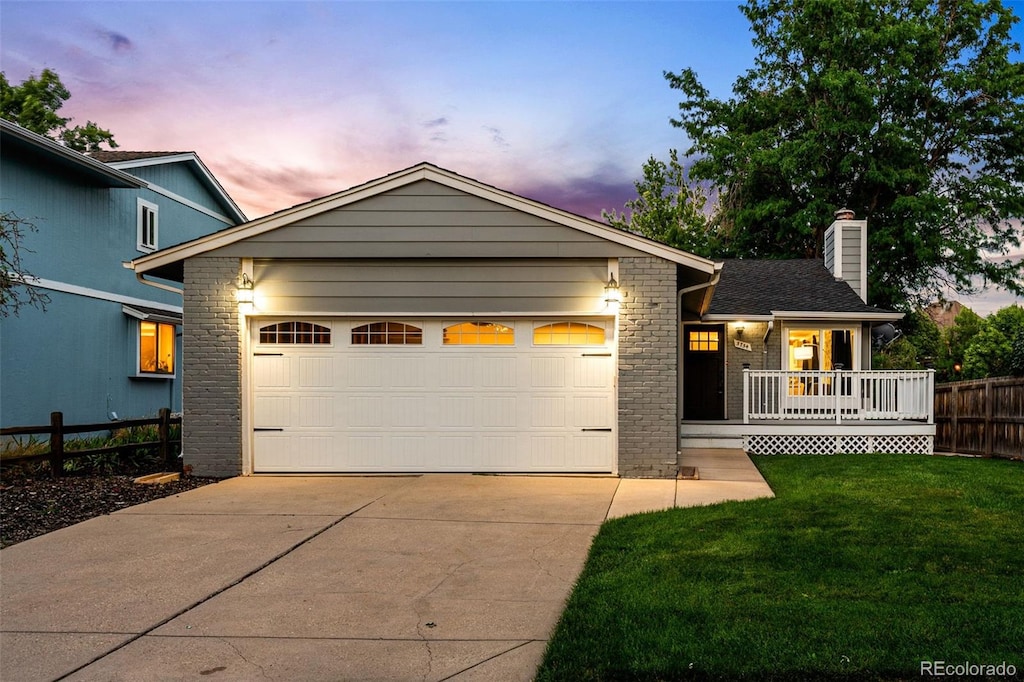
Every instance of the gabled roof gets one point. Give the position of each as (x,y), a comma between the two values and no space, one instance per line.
(800,288)
(124,160)
(423,171)
(52,152)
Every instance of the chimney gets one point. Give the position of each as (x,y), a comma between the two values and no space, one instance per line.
(846,251)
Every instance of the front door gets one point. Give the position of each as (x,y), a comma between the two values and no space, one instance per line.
(704,372)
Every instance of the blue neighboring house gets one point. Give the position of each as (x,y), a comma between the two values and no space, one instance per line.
(107,346)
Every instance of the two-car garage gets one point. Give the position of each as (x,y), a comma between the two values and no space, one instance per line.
(482,395)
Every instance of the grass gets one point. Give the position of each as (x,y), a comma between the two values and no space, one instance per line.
(862,567)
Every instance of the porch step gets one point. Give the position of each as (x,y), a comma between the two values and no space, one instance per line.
(688,474)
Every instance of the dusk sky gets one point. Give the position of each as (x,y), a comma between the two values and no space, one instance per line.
(288,101)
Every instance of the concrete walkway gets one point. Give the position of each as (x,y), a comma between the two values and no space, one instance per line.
(724,475)
(438,577)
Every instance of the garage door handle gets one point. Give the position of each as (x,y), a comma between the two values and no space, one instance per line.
(267,428)
(597,355)
(263,355)
(608,429)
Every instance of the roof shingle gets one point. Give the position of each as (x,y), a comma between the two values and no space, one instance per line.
(757,287)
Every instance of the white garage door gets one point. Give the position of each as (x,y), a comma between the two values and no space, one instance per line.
(422,395)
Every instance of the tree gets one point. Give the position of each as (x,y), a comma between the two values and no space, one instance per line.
(34,105)
(668,208)
(14,293)
(909,112)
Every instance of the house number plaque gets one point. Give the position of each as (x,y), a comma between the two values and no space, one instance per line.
(743,345)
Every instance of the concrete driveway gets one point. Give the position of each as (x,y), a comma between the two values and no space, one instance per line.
(439,577)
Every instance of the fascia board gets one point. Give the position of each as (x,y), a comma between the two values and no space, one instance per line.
(724,317)
(47,145)
(811,315)
(207,178)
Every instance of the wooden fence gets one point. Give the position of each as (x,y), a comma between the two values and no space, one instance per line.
(984,417)
(57,431)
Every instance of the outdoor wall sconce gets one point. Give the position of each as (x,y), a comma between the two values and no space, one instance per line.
(739,329)
(612,295)
(244,291)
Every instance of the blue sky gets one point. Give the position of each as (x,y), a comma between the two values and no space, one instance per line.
(287,101)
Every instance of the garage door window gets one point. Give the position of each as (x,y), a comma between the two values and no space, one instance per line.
(478,334)
(568,334)
(387,334)
(301,333)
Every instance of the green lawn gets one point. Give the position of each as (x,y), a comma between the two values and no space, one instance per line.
(862,567)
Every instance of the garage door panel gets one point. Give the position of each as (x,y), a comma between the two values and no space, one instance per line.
(456,412)
(497,411)
(365,371)
(547,372)
(272,372)
(316,411)
(547,411)
(365,408)
(365,411)
(316,372)
(270,411)
(457,372)
(590,411)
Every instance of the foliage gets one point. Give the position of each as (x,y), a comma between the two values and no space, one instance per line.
(987,354)
(918,348)
(909,113)
(14,293)
(34,105)
(794,588)
(668,208)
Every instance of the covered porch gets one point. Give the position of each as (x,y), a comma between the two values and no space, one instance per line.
(825,412)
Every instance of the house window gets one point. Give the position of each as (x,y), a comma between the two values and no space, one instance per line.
(148,226)
(821,349)
(156,348)
(701,340)
(568,334)
(478,334)
(295,333)
(387,334)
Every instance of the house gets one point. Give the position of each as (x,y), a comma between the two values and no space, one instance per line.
(106,345)
(426,321)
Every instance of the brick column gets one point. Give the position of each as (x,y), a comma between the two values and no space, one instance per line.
(648,358)
(211,388)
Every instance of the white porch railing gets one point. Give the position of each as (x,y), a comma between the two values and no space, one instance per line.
(839,395)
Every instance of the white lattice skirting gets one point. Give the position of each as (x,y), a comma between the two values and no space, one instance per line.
(833,445)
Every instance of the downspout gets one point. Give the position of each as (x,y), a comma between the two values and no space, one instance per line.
(710,284)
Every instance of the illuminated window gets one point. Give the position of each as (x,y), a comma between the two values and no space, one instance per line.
(387,334)
(568,334)
(478,334)
(147,226)
(821,349)
(156,348)
(702,340)
(295,332)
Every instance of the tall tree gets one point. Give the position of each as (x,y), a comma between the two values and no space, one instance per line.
(910,112)
(668,208)
(34,105)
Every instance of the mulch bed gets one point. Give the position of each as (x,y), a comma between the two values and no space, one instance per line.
(34,505)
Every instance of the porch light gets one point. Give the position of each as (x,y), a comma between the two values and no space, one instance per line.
(244,291)
(612,295)
(739,329)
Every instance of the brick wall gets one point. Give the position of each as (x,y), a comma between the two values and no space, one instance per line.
(648,358)
(211,427)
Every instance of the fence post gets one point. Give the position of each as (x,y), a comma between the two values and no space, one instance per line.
(988,419)
(56,444)
(164,433)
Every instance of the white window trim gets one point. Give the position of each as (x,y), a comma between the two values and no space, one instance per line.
(140,242)
(823,327)
(139,374)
